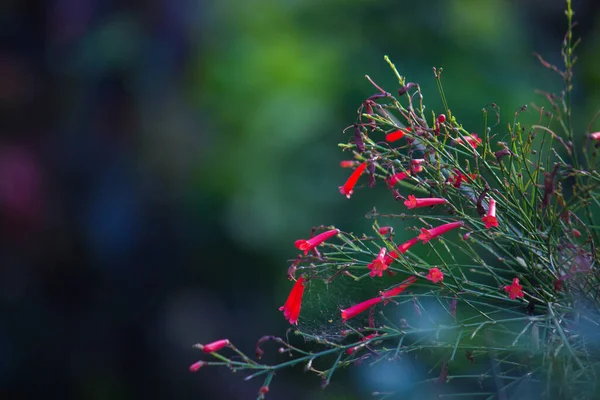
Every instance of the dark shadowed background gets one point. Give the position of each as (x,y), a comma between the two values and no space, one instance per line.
(159,158)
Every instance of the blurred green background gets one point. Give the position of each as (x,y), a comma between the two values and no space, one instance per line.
(158,159)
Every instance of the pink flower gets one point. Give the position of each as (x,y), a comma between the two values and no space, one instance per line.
(215,346)
(595,136)
(428,234)
(348,187)
(353,311)
(308,245)
(413,202)
(379,264)
(397,135)
(291,308)
(435,275)
(515,290)
(490,218)
(392,180)
(197,365)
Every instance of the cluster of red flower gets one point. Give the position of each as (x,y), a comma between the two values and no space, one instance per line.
(291,308)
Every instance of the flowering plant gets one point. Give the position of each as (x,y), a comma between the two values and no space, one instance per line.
(496,262)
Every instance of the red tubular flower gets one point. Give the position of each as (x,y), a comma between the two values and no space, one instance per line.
(403,248)
(390,257)
(413,202)
(348,187)
(392,180)
(378,265)
(435,275)
(595,136)
(428,234)
(490,219)
(398,289)
(515,290)
(291,308)
(441,118)
(471,139)
(308,245)
(215,346)
(347,164)
(397,135)
(197,365)
(576,233)
(353,311)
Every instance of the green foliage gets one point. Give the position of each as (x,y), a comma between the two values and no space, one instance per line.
(543,179)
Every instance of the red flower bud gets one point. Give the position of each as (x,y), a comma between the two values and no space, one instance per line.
(197,365)
(215,346)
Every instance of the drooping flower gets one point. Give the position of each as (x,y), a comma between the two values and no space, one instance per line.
(435,275)
(215,346)
(291,308)
(347,163)
(378,265)
(595,136)
(353,311)
(309,244)
(428,234)
(398,289)
(413,202)
(490,218)
(473,140)
(397,135)
(515,290)
(197,365)
(392,180)
(348,187)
